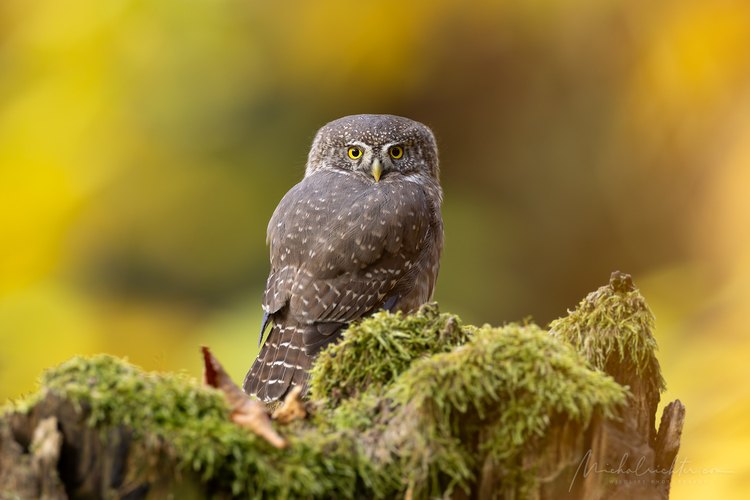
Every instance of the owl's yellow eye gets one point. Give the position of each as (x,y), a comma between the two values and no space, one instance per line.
(397,152)
(355,153)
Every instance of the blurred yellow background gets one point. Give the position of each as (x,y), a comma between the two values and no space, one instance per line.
(144,146)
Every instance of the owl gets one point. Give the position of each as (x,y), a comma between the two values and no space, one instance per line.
(361,232)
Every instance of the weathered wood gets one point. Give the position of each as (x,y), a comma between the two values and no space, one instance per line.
(52,453)
(667,442)
(17,475)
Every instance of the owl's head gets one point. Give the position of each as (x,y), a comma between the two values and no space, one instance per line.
(380,148)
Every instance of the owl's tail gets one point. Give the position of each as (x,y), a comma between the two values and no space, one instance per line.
(281,364)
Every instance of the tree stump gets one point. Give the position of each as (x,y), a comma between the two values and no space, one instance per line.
(414,406)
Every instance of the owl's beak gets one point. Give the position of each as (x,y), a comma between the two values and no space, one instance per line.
(376,168)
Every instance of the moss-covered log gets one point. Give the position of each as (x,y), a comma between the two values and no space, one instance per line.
(415,406)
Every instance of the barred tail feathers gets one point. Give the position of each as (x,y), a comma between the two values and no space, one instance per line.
(281,364)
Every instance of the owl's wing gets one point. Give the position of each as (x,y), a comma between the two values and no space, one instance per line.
(341,247)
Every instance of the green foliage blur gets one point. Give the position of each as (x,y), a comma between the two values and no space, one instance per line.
(144,145)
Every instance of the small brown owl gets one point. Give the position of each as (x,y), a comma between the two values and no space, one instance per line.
(361,232)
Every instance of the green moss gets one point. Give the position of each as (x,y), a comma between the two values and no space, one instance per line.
(378,349)
(193,421)
(418,415)
(614,322)
(403,402)
(509,382)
